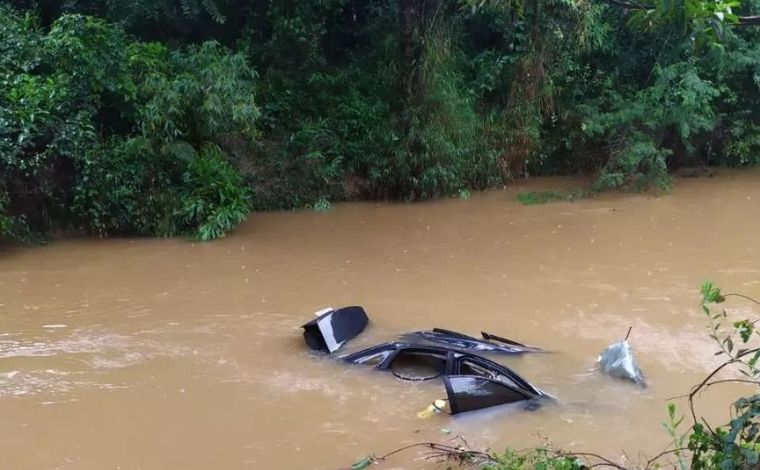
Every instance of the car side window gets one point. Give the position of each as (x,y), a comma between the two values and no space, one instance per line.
(469,367)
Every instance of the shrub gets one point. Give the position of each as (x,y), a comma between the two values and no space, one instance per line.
(206,94)
(214,198)
(742,146)
(443,151)
(5,220)
(124,186)
(100,132)
(535,459)
(637,164)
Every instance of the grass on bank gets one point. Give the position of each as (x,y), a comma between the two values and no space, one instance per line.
(531,198)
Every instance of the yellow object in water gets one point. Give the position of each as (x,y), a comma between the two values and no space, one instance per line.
(436,407)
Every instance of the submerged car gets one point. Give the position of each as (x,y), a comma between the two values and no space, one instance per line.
(472,382)
(488,343)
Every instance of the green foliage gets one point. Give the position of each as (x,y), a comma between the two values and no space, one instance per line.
(735,445)
(543,197)
(208,93)
(6,222)
(678,439)
(125,186)
(88,51)
(742,146)
(214,198)
(540,458)
(99,132)
(636,164)
(442,151)
(710,295)
(322,205)
(139,13)
(362,463)
(358,100)
(703,21)
(676,107)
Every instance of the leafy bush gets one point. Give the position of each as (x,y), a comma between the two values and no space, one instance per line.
(735,445)
(543,197)
(742,146)
(214,198)
(443,150)
(100,132)
(206,94)
(536,459)
(502,90)
(125,186)
(636,164)
(5,220)
(646,127)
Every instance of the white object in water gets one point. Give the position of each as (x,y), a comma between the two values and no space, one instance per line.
(618,361)
(323,311)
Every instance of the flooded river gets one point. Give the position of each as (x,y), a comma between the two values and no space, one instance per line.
(163,353)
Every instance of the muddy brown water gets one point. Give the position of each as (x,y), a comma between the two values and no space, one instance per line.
(163,353)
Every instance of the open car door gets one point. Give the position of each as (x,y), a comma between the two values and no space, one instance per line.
(470,392)
(332,329)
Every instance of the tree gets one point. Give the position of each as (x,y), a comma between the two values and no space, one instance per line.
(704,19)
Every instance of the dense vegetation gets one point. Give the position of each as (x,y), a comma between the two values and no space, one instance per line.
(157,117)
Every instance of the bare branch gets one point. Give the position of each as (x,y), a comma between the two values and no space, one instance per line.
(746,381)
(443,452)
(697,388)
(662,454)
(742,296)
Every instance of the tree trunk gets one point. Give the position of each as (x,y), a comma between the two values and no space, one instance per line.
(410,45)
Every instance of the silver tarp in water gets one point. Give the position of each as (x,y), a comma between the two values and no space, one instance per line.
(618,361)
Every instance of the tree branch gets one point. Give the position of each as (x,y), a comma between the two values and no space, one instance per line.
(697,388)
(752,20)
(741,381)
(662,454)
(742,296)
